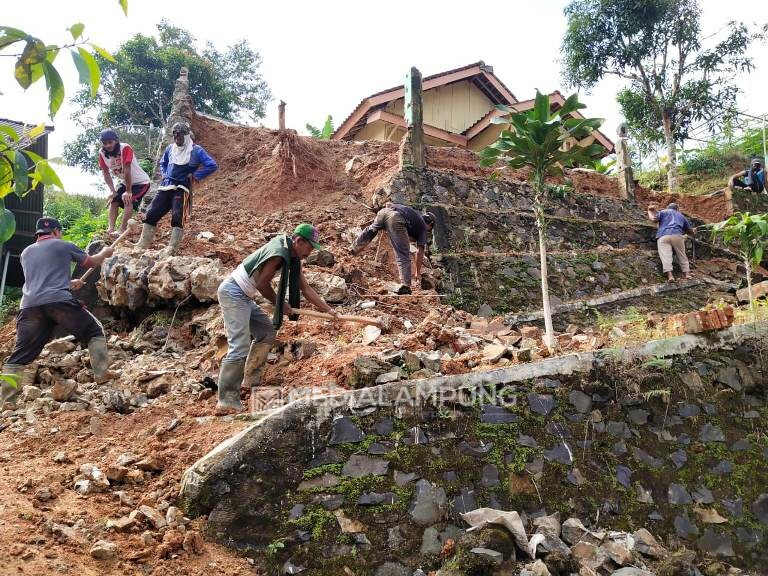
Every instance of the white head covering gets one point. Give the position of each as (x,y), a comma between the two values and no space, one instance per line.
(181,154)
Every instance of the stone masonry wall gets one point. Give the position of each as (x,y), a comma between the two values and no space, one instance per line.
(671,436)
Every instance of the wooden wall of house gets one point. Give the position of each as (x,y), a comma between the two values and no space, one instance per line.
(453,107)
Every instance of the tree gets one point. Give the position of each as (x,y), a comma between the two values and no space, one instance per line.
(545,141)
(657,46)
(138,86)
(750,232)
(325,133)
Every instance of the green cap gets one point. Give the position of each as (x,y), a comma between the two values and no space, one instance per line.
(309,233)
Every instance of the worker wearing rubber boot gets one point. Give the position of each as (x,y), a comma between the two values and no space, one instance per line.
(250,331)
(47,302)
(403,225)
(183,164)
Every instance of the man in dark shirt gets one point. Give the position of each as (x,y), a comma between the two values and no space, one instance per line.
(403,225)
(669,238)
(47,302)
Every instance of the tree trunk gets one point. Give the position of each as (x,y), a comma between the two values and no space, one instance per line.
(549,332)
(752,307)
(669,140)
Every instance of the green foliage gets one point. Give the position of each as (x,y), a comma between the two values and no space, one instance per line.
(81,216)
(604,165)
(546,141)
(10,305)
(657,47)
(325,133)
(36,61)
(137,88)
(750,233)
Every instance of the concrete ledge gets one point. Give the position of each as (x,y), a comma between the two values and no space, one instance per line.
(514,319)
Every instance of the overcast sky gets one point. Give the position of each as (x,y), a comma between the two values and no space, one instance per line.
(324,57)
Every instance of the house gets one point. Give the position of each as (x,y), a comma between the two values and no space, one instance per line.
(459,106)
(26,210)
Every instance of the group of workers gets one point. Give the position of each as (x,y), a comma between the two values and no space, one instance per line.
(48,301)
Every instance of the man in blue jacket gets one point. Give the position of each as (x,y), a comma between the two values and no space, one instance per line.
(183,163)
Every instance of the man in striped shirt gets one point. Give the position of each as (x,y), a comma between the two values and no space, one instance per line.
(116,158)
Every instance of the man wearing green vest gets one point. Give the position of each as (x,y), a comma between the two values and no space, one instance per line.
(250,332)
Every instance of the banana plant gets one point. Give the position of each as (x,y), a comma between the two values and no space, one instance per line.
(750,233)
(546,141)
(325,133)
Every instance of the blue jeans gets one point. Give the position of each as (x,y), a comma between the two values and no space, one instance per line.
(243,320)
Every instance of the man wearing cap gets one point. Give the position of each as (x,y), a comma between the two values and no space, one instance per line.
(183,163)
(403,225)
(116,158)
(753,178)
(47,302)
(250,332)
(670,238)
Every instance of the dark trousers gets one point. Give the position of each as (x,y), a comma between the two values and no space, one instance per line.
(167,201)
(397,230)
(754,186)
(35,325)
(137,193)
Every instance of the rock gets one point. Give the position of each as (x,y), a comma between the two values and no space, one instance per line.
(348,525)
(639,417)
(631,571)
(647,545)
(60,346)
(575,477)
(479,451)
(538,568)
(464,501)
(527,441)
(493,414)
(123,524)
(61,457)
(322,258)
(325,481)
(710,433)
(688,410)
(104,550)
(560,453)
(703,495)
(678,495)
(429,503)
(491,556)
(679,458)
(116,401)
(345,431)
(332,288)
(153,463)
(376,498)
(684,527)
(580,401)
(193,542)
(360,465)
(30,393)
(759,508)
(647,459)
(159,386)
(485,311)
(709,515)
(734,507)
(541,404)
(490,476)
(365,370)
(204,280)
(403,478)
(174,516)
(63,390)
(392,569)
(573,532)
(152,516)
(617,553)
(431,360)
(548,525)
(715,543)
(371,334)
(759,290)
(643,495)
(494,352)
(388,377)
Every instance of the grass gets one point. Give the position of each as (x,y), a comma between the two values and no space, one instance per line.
(10,304)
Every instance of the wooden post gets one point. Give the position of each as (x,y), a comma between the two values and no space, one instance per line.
(624,166)
(412,152)
(281,115)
